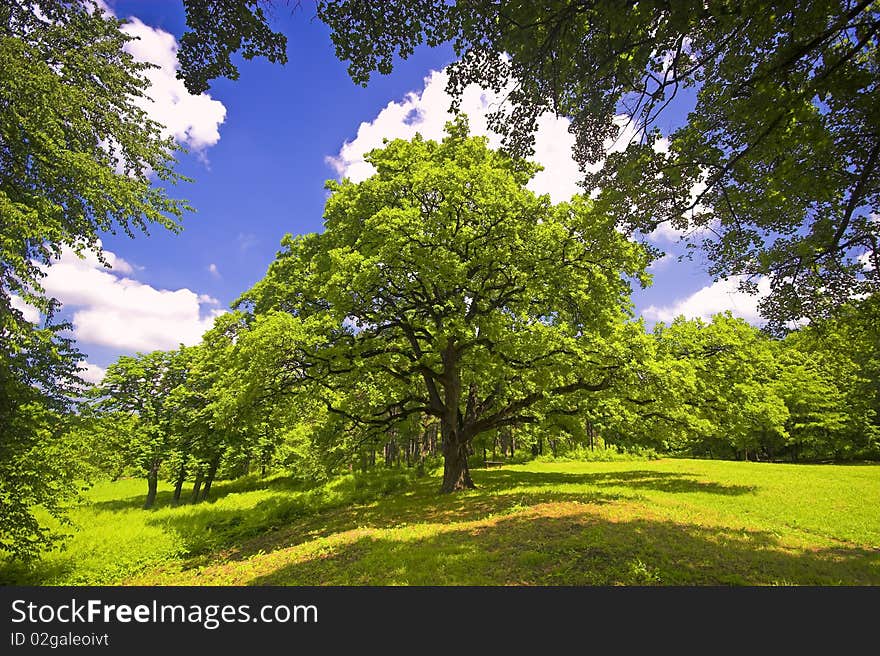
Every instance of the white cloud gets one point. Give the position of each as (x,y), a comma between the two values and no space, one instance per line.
(192,120)
(247,240)
(114,262)
(667,233)
(720,296)
(213,270)
(91,373)
(426,112)
(29,312)
(120,312)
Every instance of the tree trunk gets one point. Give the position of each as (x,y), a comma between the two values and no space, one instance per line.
(391,451)
(197,486)
(215,463)
(456,475)
(178,485)
(152,484)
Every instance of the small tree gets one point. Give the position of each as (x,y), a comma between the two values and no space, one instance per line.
(141,387)
(442,286)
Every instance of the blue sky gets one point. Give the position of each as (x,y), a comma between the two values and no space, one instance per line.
(260,173)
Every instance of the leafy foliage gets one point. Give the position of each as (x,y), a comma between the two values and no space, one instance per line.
(76,159)
(442,287)
(217,30)
(776,170)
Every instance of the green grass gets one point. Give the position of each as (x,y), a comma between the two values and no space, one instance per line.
(658,522)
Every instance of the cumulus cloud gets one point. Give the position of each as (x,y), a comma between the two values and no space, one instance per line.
(91,373)
(666,233)
(121,312)
(426,112)
(720,296)
(193,121)
(213,270)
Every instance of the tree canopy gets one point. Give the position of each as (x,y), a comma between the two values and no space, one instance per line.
(442,286)
(218,29)
(776,171)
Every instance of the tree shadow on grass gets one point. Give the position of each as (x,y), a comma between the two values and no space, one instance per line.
(574,547)
(676,482)
(280,522)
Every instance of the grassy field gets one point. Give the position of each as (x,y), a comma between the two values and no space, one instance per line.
(662,522)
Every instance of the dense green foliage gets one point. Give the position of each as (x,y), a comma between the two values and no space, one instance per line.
(442,288)
(76,159)
(447,312)
(218,29)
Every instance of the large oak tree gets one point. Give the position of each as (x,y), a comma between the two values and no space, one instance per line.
(442,286)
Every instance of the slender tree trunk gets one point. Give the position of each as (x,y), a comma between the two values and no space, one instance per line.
(178,484)
(391,451)
(215,463)
(152,484)
(197,486)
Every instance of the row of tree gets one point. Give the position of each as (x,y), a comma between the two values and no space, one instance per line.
(719,389)
(68,90)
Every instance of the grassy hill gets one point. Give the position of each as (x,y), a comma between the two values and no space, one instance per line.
(663,522)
